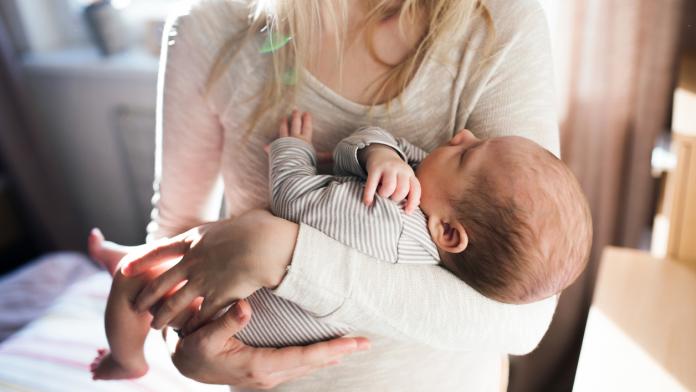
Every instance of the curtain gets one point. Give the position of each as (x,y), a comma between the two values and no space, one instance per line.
(44,199)
(615,65)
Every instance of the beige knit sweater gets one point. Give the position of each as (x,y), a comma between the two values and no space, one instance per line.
(429,330)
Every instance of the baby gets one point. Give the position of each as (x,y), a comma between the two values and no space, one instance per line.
(507,216)
(502,214)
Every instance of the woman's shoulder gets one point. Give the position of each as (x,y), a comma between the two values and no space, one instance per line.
(512,18)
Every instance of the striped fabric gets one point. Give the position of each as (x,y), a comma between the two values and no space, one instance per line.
(333,204)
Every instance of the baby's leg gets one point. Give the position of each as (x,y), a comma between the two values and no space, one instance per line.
(126,331)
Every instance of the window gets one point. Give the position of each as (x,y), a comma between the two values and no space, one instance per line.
(49,25)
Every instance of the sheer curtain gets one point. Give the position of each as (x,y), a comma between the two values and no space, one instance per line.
(615,63)
(43,197)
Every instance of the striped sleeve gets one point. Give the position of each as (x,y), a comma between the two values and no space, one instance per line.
(292,174)
(414,154)
(346,152)
(331,204)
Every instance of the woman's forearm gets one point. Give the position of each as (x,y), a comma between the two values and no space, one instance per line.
(418,303)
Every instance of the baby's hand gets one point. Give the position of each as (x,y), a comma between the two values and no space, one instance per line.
(300,126)
(394,177)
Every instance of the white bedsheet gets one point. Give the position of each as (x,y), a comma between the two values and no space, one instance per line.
(27,293)
(53,352)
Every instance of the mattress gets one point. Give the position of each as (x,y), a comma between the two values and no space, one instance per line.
(62,298)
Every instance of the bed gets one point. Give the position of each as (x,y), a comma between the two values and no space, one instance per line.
(51,324)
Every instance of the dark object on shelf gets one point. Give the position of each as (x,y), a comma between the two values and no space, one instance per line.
(107,27)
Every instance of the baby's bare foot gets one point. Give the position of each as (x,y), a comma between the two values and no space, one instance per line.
(106,253)
(105,367)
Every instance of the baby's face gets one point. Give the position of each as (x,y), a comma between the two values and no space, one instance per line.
(446,172)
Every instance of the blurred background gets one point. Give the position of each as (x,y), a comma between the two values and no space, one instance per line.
(77,120)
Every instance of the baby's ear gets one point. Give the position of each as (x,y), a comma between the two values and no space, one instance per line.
(448,236)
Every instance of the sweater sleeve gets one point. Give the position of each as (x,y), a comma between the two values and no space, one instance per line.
(518,96)
(425,303)
(346,161)
(188,189)
(345,155)
(293,178)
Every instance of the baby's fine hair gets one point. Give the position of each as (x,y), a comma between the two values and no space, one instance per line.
(523,246)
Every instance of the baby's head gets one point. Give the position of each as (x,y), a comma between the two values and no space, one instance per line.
(508,217)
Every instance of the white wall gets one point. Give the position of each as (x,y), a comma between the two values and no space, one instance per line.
(96,119)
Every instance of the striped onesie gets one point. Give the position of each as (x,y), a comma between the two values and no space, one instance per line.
(333,205)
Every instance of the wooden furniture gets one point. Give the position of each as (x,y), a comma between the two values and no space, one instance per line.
(641,330)
(680,193)
(674,234)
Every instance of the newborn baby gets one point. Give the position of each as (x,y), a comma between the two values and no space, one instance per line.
(502,214)
(507,216)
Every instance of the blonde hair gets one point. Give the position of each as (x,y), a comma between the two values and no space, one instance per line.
(293,31)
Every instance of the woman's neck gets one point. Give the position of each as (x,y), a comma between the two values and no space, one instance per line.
(359,68)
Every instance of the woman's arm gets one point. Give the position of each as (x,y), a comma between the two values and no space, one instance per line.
(427,304)
(419,303)
(188,190)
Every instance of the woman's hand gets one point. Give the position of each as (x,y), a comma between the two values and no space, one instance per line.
(222,262)
(211,355)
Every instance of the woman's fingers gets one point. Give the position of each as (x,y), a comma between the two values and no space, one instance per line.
(220,330)
(159,287)
(184,318)
(171,307)
(138,263)
(414,195)
(270,367)
(316,354)
(207,311)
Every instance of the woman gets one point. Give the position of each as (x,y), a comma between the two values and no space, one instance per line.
(421,69)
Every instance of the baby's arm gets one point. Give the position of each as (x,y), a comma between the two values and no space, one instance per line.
(374,154)
(292,166)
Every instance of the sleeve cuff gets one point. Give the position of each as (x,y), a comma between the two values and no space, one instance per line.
(292,142)
(346,152)
(319,276)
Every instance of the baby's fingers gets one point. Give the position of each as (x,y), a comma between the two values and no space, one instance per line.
(296,125)
(402,187)
(371,187)
(283,130)
(307,126)
(388,185)
(414,195)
